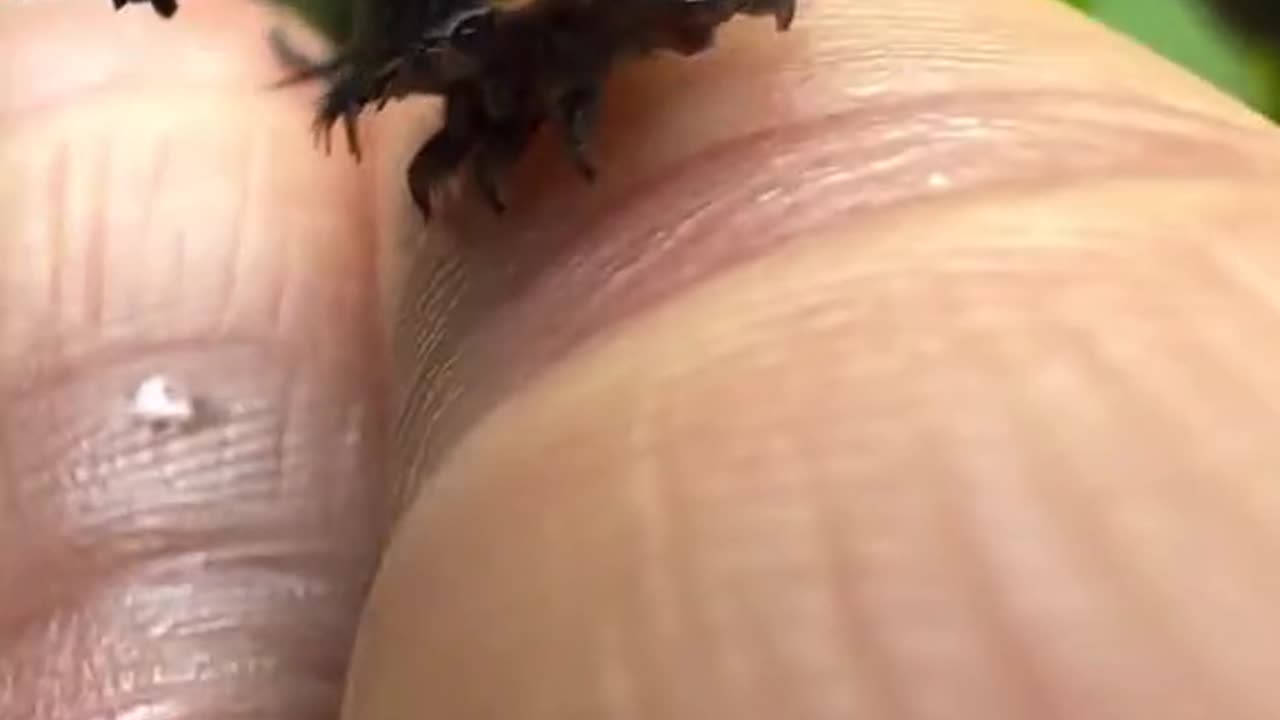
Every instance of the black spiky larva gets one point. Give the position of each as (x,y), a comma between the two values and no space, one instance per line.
(505,68)
(164,8)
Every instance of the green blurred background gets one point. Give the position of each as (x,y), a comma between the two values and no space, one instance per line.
(1187,31)
(1191,33)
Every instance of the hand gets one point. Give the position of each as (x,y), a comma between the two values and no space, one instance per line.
(918,363)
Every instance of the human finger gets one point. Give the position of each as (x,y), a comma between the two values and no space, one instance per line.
(193,373)
(917,364)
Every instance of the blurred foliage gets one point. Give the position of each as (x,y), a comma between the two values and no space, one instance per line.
(1189,32)
(1195,34)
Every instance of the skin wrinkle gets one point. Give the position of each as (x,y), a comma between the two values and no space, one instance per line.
(145,307)
(1125,656)
(490,476)
(105,447)
(970,508)
(851,619)
(1151,288)
(1086,515)
(218,572)
(985,483)
(788,649)
(1235,513)
(56,218)
(235,266)
(617,266)
(1241,277)
(624,685)
(1145,530)
(890,524)
(92,282)
(178,520)
(1155,607)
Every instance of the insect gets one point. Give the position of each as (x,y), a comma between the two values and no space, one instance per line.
(505,69)
(165,8)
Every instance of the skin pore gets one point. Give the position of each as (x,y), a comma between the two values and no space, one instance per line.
(918,363)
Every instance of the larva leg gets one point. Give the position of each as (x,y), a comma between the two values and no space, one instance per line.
(446,151)
(783,11)
(343,101)
(576,112)
(502,145)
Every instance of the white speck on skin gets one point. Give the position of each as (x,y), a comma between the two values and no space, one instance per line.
(160,403)
(939,181)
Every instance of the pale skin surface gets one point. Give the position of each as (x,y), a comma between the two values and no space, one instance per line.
(922,363)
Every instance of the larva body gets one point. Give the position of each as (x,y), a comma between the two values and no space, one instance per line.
(505,68)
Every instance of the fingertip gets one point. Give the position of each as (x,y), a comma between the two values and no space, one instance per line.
(164,214)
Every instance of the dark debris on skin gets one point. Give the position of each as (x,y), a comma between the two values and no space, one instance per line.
(164,8)
(502,74)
